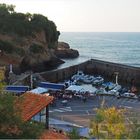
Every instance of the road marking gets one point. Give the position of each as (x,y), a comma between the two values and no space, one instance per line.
(128,107)
(66,109)
(58,110)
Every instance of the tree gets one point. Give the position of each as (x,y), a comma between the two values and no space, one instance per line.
(96,124)
(11,125)
(108,123)
(74,134)
(134,128)
(27,24)
(2,77)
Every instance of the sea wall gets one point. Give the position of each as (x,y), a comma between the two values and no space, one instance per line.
(127,74)
(65,73)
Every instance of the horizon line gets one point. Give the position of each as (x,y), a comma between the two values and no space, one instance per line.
(99,31)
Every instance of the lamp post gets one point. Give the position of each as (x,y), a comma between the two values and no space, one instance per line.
(11,68)
(31,80)
(117,74)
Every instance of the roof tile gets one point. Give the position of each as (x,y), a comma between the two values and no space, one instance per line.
(30,104)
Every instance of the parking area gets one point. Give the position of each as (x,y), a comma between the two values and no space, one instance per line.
(81,112)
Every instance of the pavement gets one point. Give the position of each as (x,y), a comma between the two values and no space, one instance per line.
(80,113)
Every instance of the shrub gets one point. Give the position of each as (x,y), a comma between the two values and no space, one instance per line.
(6,46)
(36,48)
(20,51)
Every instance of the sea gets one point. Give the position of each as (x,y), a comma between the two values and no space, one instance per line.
(117,47)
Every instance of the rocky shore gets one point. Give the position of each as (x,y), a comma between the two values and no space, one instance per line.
(64,51)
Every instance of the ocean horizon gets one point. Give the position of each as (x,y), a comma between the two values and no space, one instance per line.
(116,47)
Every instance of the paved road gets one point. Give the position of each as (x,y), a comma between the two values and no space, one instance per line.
(78,112)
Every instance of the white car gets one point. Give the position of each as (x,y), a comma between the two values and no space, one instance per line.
(127,94)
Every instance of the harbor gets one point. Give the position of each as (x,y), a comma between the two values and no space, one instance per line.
(79,90)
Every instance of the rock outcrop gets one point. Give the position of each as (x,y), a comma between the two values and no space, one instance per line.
(64,51)
(39,60)
(38,63)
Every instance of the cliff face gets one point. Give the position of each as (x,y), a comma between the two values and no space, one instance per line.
(30,59)
(33,53)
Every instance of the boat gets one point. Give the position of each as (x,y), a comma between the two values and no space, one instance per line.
(101,91)
(115,90)
(87,79)
(109,85)
(78,76)
(98,81)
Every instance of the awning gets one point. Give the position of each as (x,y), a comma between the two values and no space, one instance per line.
(83,88)
(51,86)
(39,90)
(16,89)
(74,88)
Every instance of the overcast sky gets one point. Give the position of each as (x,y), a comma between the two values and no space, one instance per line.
(86,15)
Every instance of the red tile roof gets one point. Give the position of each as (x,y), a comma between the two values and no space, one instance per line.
(30,104)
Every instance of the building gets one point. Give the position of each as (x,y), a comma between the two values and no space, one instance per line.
(32,105)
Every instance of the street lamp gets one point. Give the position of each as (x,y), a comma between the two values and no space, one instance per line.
(11,68)
(117,74)
(31,80)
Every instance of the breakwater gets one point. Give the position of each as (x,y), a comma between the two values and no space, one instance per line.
(127,74)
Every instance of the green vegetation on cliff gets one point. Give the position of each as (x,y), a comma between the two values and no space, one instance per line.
(27,24)
(8,47)
(35,48)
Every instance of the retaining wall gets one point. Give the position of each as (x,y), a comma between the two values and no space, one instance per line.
(62,74)
(97,67)
(127,74)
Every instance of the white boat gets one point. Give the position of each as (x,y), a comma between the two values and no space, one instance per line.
(98,80)
(87,79)
(115,90)
(78,76)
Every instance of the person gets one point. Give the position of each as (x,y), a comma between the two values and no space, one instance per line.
(107,88)
(133,89)
(84,99)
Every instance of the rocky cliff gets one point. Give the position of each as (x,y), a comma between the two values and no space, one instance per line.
(63,50)
(30,41)
(33,53)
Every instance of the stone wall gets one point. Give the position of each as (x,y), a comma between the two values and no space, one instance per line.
(97,67)
(127,74)
(62,74)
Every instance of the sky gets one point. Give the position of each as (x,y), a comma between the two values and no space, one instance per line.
(85,15)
